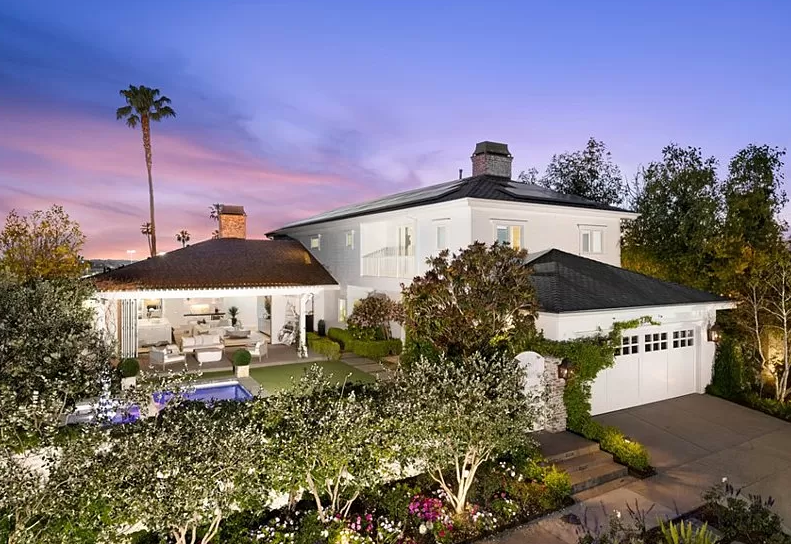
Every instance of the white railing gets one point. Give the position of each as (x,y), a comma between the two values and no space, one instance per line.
(389,266)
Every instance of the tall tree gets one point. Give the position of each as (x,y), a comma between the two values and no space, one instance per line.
(589,173)
(214,211)
(45,244)
(144,105)
(679,219)
(147,231)
(183,236)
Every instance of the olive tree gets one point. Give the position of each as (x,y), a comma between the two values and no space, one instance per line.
(329,440)
(461,414)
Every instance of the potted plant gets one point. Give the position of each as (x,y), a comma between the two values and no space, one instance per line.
(129,369)
(322,330)
(241,363)
(233,311)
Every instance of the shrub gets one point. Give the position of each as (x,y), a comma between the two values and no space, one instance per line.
(686,533)
(242,358)
(727,378)
(323,345)
(746,519)
(322,328)
(342,336)
(372,315)
(376,349)
(129,367)
(630,453)
(558,485)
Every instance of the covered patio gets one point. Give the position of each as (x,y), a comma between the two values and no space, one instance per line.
(200,304)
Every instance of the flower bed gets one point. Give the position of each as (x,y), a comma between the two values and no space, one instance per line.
(412,511)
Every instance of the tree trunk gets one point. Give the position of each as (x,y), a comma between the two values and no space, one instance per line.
(145,123)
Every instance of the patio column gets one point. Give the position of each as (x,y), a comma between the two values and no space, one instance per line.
(302,348)
(127,327)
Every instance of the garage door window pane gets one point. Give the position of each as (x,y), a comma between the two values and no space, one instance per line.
(683,339)
(629,346)
(656,341)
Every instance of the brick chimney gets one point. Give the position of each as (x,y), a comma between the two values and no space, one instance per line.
(493,159)
(233,221)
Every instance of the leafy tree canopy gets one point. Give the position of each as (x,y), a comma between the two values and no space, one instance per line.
(679,220)
(44,244)
(589,173)
(478,300)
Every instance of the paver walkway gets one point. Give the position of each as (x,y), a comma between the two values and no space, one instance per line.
(694,441)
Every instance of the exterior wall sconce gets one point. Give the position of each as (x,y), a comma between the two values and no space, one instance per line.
(715,333)
(564,369)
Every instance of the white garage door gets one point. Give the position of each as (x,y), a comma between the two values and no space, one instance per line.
(652,364)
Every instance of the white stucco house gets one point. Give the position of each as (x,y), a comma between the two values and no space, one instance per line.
(574,247)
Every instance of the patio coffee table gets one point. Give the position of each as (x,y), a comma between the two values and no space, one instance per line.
(208,355)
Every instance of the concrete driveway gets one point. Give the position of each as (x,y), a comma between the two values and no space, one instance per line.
(696,440)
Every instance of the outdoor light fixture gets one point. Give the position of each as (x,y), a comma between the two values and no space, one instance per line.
(564,369)
(715,333)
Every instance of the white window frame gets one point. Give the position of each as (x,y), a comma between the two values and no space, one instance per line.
(590,231)
(350,239)
(443,228)
(509,225)
(315,242)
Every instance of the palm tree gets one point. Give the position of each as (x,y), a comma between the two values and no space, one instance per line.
(147,231)
(215,234)
(144,105)
(183,236)
(214,212)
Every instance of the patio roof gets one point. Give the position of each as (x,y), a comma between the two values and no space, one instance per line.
(225,263)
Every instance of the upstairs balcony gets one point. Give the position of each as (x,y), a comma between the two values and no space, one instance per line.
(389,262)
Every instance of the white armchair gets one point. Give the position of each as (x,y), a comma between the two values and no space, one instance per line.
(166,355)
(259,349)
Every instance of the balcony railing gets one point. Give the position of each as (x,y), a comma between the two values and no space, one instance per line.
(389,262)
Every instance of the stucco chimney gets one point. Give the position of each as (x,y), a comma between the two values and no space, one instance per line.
(493,159)
(233,221)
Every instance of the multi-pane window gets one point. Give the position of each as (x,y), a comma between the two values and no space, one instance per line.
(629,345)
(656,341)
(591,240)
(510,234)
(315,242)
(683,339)
(341,310)
(442,237)
(350,238)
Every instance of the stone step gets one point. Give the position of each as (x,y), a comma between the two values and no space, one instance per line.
(557,447)
(595,476)
(584,462)
(606,487)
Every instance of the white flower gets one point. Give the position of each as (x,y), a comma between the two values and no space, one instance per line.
(725,479)
(423,529)
(618,514)
(325,533)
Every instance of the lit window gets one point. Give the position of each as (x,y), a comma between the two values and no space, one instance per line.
(341,310)
(591,240)
(442,237)
(350,238)
(510,234)
(683,339)
(629,346)
(656,341)
(315,242)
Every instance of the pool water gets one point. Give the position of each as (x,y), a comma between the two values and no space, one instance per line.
(208,393)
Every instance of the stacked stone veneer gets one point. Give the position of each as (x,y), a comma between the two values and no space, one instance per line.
(555,409)
(491,164)
(233,225)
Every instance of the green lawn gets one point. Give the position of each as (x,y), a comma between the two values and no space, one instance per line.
(274,378)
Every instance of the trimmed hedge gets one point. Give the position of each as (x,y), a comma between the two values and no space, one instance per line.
(341,336)
(242,357)
(129,367)
(626,451)
(376,349)
(323,345)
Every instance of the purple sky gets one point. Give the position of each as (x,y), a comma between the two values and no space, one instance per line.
(291,108)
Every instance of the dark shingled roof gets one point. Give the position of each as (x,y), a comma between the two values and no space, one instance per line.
(221,263)
(570,283)
(227,209)
(484,187)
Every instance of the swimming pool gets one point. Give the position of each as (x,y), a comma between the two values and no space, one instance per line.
(208,393)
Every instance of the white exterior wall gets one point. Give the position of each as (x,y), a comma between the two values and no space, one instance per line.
(547,227)
(466,221)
